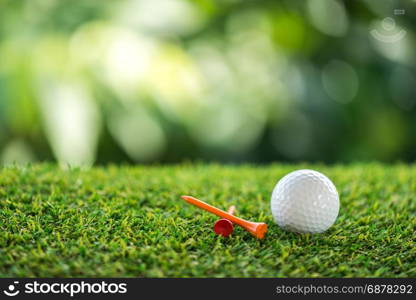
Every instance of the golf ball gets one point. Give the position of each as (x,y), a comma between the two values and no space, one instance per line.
(305,201)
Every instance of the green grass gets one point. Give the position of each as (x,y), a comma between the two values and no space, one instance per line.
(130,221)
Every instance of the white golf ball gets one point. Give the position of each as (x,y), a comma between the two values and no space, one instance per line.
(305,201)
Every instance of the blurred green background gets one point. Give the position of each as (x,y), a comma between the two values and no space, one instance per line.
(142,81)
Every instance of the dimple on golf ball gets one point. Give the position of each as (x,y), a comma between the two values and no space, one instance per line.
(305,201)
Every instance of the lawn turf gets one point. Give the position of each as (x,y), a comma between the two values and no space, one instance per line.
(130,221)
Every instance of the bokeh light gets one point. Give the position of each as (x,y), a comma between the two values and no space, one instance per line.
(141,81)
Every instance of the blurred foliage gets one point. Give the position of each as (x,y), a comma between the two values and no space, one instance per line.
(138,81)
